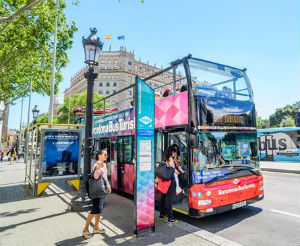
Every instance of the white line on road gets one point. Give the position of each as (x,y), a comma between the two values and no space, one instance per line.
(286,213)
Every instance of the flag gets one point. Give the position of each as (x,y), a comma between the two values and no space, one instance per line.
(121,37)
(107,37)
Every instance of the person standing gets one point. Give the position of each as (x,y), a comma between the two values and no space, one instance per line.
(98,169)
(1,155)
(167,187)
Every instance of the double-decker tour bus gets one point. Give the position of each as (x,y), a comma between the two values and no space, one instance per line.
(210,115)
(279,144)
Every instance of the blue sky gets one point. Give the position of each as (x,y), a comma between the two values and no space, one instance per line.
(262,36)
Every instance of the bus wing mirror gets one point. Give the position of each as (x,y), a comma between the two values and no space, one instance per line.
(192,130)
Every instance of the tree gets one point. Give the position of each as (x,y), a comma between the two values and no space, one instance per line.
(260,122)
(286,111)
(78,100)
(26,48)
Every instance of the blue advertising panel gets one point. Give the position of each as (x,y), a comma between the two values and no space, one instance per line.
(60,154)
(114,124)
(144,178)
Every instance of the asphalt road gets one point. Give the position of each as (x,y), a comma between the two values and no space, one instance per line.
(272,221)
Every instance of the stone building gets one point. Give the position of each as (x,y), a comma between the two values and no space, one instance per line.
(117,70)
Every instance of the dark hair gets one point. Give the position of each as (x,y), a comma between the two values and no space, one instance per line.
(100,153)
(176,148)
(168,153)
(166,94)
(183,88)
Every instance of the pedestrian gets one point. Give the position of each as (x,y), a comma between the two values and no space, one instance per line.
(1,155)
(167,187)
(98,169)
(12,156)
(178,169)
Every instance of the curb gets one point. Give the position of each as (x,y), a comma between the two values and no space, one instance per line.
(213,238)
(280,170)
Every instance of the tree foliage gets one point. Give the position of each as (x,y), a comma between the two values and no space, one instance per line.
(288,112)
(78,100)
(260,122)
(27,45)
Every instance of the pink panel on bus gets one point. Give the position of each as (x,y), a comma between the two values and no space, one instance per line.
(171,110)
(128,178)
(114,175)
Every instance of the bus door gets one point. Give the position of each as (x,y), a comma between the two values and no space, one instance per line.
(125,164)
(181,199)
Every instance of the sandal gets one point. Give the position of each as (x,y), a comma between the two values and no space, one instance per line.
(87,234)
(99,231)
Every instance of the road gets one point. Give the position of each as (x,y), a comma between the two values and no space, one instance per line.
(272,221)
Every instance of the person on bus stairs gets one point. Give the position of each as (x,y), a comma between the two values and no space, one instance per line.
(178,169)
(99,169)
(167,187)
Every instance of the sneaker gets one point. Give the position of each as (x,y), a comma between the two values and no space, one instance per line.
(171,219)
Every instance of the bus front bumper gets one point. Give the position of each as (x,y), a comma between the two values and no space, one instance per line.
(198,214)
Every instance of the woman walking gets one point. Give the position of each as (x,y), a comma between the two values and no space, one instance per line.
(167,187)
(98,169)
(12,156)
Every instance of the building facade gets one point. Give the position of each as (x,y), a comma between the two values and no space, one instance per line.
(117,70)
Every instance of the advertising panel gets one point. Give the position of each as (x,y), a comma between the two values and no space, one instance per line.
(60,154)
(115,124)
(144,178)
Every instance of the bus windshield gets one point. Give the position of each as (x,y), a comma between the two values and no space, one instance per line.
(225,149)
(215,80)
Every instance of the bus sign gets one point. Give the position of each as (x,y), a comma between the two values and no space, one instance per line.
(144,178)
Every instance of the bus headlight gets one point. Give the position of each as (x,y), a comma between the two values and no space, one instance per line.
(204,202)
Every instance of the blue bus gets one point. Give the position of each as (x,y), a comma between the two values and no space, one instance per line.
(279,144)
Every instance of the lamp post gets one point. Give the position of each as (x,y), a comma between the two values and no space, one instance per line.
(284,121)
(92,48)
(35,113)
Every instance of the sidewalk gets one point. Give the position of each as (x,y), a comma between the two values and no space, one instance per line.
(44,221)
(284,167)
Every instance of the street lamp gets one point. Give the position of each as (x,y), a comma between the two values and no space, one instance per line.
(92,48)
(283,121)
(35,113)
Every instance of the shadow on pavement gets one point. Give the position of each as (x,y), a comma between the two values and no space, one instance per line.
(23,211)
(219,222)
(4,228)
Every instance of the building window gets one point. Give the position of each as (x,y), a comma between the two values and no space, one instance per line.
(107,92)
(100,92)
(129,63)
(114,91)
(108,61)
(115,84)
(102,61)
(130,93)
(101,84)
(107,84)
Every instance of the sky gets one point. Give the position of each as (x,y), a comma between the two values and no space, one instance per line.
(262,36)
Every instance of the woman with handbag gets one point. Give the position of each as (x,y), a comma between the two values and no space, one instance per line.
(167,187)
(99,170)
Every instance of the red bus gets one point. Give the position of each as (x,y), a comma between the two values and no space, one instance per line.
(210,115)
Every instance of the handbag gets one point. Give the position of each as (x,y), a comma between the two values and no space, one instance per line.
(96,187)
(164,172)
